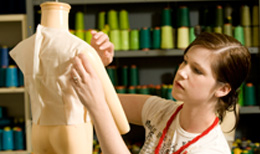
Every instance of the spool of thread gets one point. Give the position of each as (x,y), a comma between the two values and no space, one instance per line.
(80,33)
(219,16)
(164,93)
(218,29)
(2,76)
(88,36)
(166,17)
(255,40)
(255,15)
(121,89)
(183,18)
(167,37)
(158,90)
(124,35)
(228,29)
(79,25)
(112,19)
(241,95)
(4,56)
(11,76)
(20,78)
(144,90)
(192,36)
(156,38)
(101,20)
(1,139)
(183,38)
(145,39)
(123,20)
(18,138)
(239,34)
(250,95)
(132,90)
(237,151)
(208,29)
(124,75)
(248,36)
(134,39)
(197,30)
(245,16)
(7,139)
(111,71)
(151,88)
(134,77)
(115,39)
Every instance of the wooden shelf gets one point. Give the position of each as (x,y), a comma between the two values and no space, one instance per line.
(38,2)
(161,53)
(249,110)
(14,152)
(12,90)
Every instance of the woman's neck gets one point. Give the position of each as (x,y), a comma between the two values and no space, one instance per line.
(196,119)
(55,15)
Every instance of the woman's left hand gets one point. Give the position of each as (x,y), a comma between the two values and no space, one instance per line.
(100,42)
(86,83)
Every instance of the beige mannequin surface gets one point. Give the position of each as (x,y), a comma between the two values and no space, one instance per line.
(61,124)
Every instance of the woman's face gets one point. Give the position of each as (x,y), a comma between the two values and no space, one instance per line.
(194,80)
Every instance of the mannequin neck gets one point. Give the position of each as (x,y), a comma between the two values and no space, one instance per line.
(55,15)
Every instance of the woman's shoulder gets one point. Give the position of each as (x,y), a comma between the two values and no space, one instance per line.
(158,108)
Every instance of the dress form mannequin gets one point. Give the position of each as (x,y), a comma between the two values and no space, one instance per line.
(60,139)
(75,138)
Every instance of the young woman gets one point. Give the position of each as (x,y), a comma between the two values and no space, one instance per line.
(207,83)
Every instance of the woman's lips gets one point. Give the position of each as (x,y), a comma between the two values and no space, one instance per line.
(178,85)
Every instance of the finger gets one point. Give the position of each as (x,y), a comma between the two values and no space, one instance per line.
(75,78)
(98,35)
(102,39)
(77,64)
(86,64)
(93,32)
(105,46)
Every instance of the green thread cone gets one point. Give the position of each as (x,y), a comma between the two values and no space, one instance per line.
(115,39)
(166,17)
(192,34)
(183,18)
(134,39)
(156,38)
(167,37)
(123,20)
(112,19)
(250,95)
(239,34)
(101,20)
(145,38)
(79,25)
(124,36)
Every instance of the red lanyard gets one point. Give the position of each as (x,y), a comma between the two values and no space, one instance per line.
(189,143)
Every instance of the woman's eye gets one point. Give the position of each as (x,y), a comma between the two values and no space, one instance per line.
(197,71)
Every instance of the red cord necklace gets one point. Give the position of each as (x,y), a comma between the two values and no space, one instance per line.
(189,143)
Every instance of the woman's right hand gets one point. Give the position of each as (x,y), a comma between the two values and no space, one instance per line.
(86,82)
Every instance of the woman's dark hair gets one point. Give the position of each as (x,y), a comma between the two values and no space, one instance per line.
(231,64)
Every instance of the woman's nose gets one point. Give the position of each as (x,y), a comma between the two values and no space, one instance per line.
(183,73)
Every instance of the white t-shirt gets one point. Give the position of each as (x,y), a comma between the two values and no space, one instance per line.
(156,113)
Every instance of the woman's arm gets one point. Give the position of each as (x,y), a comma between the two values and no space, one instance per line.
(133,105)
(89,89)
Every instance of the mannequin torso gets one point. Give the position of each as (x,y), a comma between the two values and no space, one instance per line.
(60,139)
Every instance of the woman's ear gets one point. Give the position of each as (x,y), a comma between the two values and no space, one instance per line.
(223,90)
